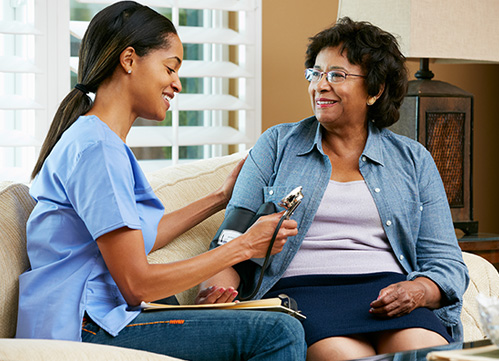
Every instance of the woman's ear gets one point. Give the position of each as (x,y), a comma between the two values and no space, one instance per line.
(381,90)
(127,59)
(372,99)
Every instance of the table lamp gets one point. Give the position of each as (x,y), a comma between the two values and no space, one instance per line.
(436,113)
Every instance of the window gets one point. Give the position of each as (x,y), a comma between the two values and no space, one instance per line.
(217,113)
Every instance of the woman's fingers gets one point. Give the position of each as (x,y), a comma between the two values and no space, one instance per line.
(398,299)
(216,294)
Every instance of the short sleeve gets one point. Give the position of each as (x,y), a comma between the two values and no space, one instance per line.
(101,189)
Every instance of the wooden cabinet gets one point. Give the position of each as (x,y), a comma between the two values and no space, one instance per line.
(482,244)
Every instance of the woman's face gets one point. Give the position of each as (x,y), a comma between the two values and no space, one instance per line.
(338,104)
(157,80)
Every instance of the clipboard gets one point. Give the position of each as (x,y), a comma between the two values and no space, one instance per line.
(277,304)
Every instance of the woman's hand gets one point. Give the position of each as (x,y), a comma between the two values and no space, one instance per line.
(214,294)
(226,189)
(402,298)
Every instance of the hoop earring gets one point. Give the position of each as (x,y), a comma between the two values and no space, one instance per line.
(371,101)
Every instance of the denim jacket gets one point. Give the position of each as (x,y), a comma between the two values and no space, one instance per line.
(404,182)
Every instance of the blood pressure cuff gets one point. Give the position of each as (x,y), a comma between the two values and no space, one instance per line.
(235,224)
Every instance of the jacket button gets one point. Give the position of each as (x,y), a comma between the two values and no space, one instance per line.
(388,223)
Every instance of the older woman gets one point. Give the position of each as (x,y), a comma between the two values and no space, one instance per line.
(376,266)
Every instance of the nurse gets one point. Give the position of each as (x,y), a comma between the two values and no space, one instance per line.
(97,218)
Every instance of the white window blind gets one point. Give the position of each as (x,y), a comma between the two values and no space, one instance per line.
(33,49)
(217,113)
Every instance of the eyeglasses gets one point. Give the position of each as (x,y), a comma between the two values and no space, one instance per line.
(334,76)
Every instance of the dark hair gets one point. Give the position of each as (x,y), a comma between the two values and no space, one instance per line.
(377,52)
(111,31)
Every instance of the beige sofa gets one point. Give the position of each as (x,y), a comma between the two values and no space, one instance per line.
(175,186)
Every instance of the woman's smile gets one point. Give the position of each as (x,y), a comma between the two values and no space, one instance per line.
(324,103)
(168,98)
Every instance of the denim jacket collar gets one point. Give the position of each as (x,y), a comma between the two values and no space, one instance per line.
(372,149)
(316,142)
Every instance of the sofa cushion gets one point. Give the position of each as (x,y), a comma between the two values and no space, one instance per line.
(484,279)
(15,206)
(182,184)
(54,350)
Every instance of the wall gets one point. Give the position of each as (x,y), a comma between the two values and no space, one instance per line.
(287,24)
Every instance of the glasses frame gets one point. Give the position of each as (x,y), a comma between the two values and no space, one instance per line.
(328,76)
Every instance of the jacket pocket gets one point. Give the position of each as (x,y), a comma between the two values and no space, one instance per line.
(276,193)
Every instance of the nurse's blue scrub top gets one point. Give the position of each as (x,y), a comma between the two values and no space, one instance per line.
(89,185)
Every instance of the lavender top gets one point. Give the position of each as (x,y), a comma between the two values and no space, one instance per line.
(346,236)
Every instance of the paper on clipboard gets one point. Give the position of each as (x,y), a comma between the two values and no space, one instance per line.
(267,304)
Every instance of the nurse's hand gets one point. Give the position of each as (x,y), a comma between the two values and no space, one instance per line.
(257,238)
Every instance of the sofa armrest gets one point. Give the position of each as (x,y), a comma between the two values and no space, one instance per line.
(54,350)
(484,279)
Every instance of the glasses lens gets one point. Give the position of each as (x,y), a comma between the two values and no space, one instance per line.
(311,74)
(336,77)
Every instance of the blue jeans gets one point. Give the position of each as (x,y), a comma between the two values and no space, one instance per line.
(209,335)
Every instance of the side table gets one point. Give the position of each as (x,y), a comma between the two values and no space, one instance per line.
(482,244)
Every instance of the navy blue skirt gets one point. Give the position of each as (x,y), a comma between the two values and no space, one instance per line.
(338,305)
